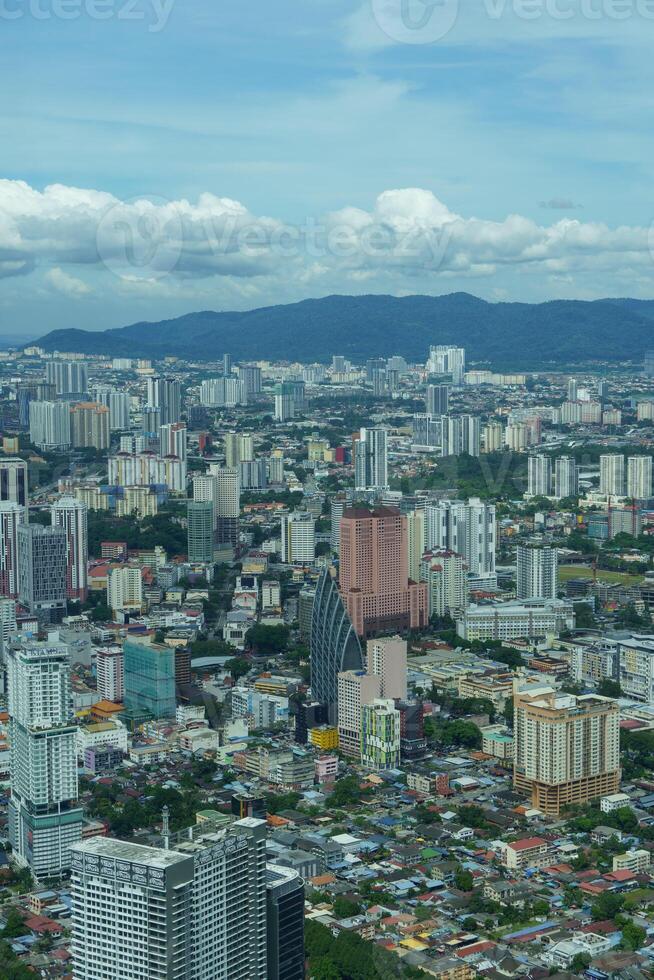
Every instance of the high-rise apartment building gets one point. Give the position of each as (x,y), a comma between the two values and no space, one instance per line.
(70,378)
(50,425)
(492,437)
(566,748)
(467,529)
(228,505)
(12,515)
(416,541)
(125,590)
(386,658)
(298,538)
(166,395)
(172,440)
(89,425)
(250,375)
(110,674)
(612,475)
(380,735)
(119,404)
(200,530)
(355,689)
(149,679)
(195,910)
(284,396)
(447,360)
(72,515)
(539,475)
(42,571)
(335,646)
(285,923)
(427,432)
(13,481)
(223,393)
(639,477)
(537,569)
(44,816)
(374,572)
(371,460)
(437,400)
(446,576)
(572,390)
(460,435)
(566,478)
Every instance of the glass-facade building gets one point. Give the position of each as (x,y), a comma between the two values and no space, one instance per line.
(335,645)
(149,679)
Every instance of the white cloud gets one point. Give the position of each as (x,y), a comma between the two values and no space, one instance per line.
(67,284)
(409,234)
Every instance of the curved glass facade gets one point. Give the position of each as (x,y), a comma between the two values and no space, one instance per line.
(335,645)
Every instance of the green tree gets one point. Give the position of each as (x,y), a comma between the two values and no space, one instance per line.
(238,667)
(268,640)
(463,879)
(609,688)
(633,936)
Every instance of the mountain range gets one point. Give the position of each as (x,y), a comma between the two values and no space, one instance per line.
(505,335)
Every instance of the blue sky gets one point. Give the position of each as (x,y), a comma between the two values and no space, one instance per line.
(513,154)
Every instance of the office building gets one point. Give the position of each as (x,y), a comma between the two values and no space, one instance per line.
(380,735)
(536,572)
(72,515)
(566,479)
(194,910)
(437,401)
(356,688)
(284,396)
(612,475)
(467,529)
(200,530)
(566,748)
(149,670)
(50,425)
(89,426)
(334,644)
(639,477)
(374,572)
(371,460)
(285,923)
(447,360)
(228,505)
(539,476)
(110,674)
(45,818)
(42,571)
(13,481)
(125,590)
(386,659)
(70,378)
(446,576)
(165,394)
(298,538)
(12,515)
(510,620)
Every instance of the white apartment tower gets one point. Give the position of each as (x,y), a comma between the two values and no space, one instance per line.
(193,910)
(612,475)
(536,572)
(44,816)
(386,659)
(371,460)
(539,476)
(639,477)
(298,538)
(72,515)
(12,515)
(467,528)
(566,479)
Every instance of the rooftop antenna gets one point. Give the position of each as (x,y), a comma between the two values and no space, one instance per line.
(166,826)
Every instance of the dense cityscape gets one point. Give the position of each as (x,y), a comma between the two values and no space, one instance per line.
(327,670)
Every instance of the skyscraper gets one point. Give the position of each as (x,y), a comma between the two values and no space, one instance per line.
(298,538)
(468,529)
(335,646)
(70,378)
(228,505)
(285,923)
(447,360)
(612,475)
(539,476)
(72,515)
(446,575)
(250,375)
(355,689)
(89,425)
(437,401)
(572,390)
(374,572)
(13,481)
(110,674)
(371,460)
(12,515)
(416,540)
(566,481)
(536,572)
(44,816)
(50,425)
(284,396)
(200,530)
(639,477)
(42,571)
(172,440)
(566,748)
(193,911)
(386,658)
(380,735)
(165,394)
(149,679)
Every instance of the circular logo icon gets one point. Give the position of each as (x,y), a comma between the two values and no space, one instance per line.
(140,238)
(415,21)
